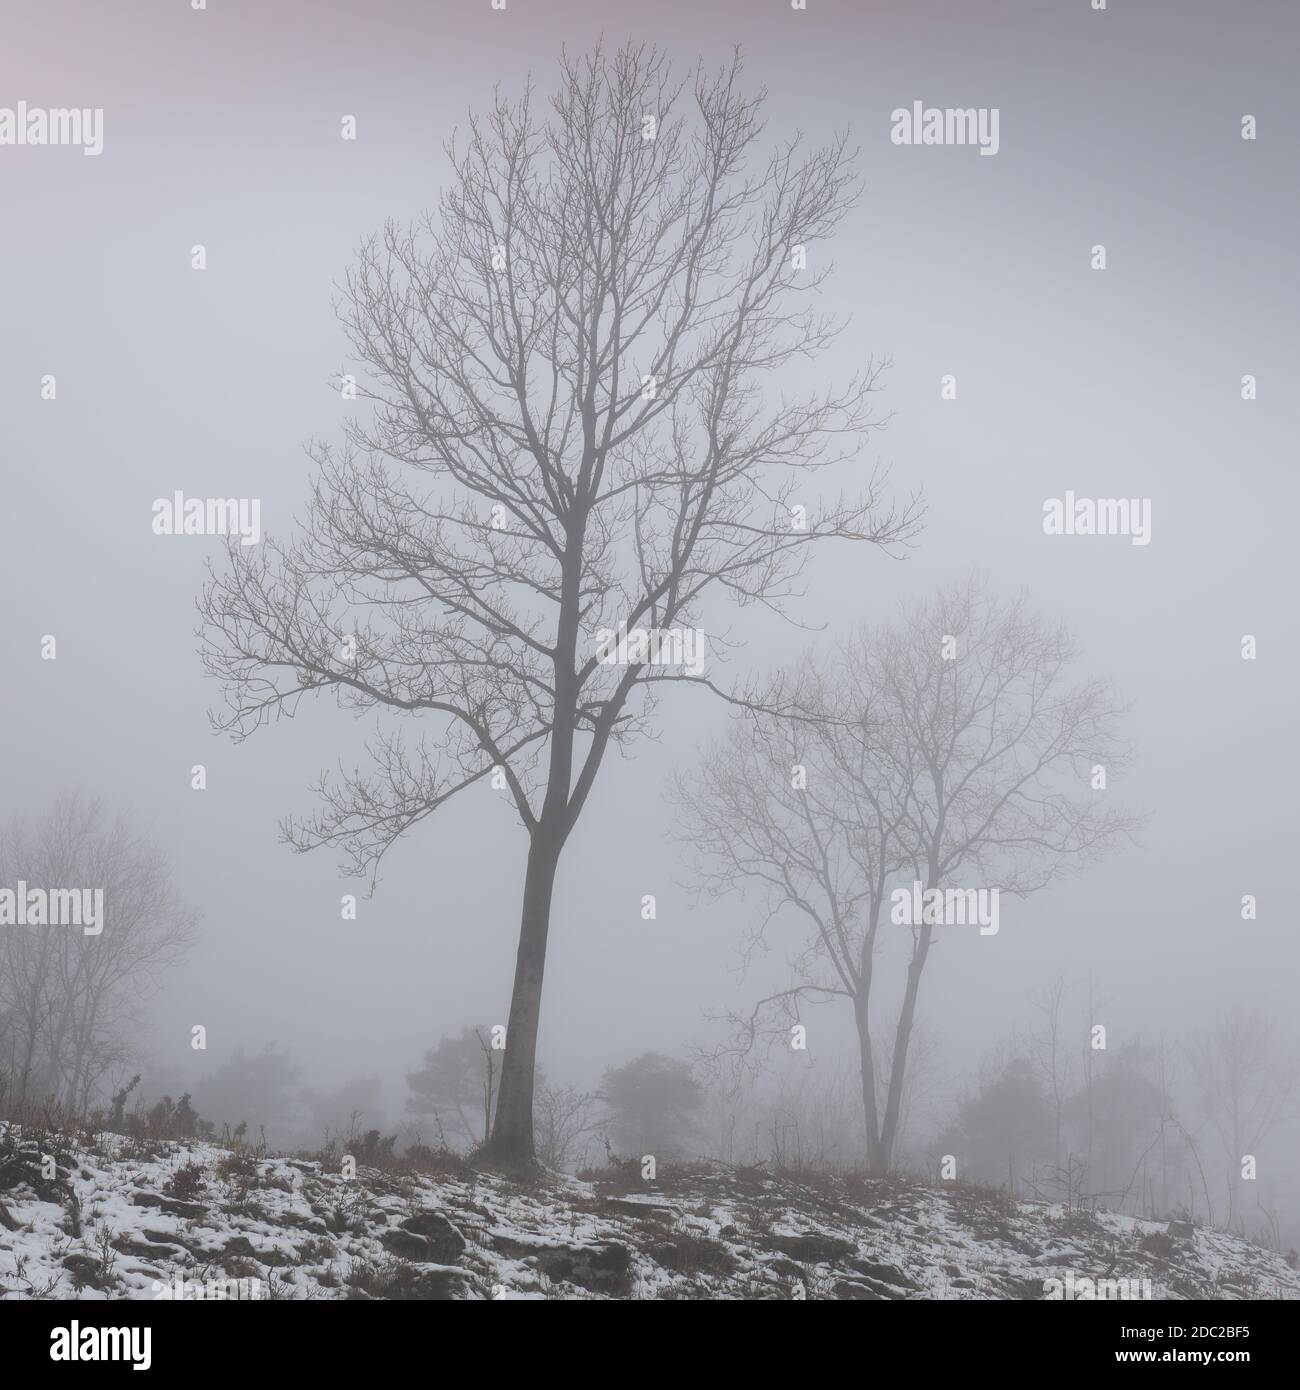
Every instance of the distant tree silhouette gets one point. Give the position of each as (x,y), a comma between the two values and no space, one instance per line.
(652,1103)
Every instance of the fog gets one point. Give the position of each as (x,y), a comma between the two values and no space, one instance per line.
(1120,129)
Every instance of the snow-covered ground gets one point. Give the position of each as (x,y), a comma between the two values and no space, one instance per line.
(194,1219)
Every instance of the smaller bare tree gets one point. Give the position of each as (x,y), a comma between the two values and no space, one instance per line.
(1248,1083)
(563,1117)
(948,749)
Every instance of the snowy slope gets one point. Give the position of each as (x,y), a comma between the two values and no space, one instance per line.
(195,1219)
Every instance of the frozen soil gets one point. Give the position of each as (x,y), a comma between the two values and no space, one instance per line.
(118,1219)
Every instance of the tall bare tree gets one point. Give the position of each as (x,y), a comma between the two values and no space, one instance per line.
(949,749)
(582,372)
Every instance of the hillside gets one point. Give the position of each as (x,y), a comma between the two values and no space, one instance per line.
(118,1220)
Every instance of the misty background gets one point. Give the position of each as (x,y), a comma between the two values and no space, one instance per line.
(222,128)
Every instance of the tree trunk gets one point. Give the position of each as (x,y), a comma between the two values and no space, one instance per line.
(512,1131)
(902,1038)
(868,1069)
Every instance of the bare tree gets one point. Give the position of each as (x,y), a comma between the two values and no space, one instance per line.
(1248,1082)
(1051,1057)
(571,439)
(951,748)
(563,1117)
(70,1002)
